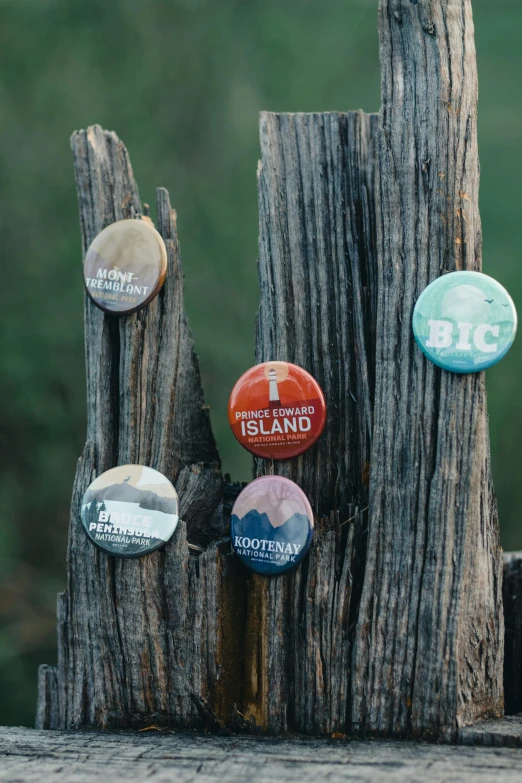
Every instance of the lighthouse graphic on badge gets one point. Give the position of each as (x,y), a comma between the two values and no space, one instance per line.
(275,372)
(273,396)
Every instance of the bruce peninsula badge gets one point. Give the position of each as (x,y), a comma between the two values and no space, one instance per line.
(130,511)
(277,410)
(464,321)
(125,266)
(271,525)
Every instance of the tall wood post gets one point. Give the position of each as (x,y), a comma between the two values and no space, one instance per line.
(132,634)
(429,641)
(393,624)
(317,271)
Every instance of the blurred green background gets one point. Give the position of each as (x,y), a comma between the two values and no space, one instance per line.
(181,82)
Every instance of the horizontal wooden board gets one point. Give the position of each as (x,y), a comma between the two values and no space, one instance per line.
(78,757)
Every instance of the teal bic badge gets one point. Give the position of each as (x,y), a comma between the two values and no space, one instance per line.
(465,321)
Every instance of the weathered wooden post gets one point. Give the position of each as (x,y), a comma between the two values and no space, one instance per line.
(394,623)
(428,647)
(133,634)
(317,271)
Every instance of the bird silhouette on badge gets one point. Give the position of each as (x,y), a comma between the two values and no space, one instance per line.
(489,301)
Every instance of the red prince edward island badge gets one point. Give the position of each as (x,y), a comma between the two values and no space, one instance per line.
(277,410)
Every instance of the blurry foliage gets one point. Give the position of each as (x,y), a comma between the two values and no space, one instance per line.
(181,82)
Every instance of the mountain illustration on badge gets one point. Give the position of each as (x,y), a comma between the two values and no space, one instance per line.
(464,322)
(277,410)
(271,525)
(125,266)
(130,511)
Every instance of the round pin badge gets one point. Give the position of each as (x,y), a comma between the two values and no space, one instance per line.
(125,266)
(465,321)
(277,410)
(130,511)
(272,525)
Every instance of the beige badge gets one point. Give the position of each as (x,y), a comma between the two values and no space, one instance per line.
(125,266)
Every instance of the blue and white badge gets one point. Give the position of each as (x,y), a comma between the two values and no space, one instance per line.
(272,525)
(465,322)
(130,511)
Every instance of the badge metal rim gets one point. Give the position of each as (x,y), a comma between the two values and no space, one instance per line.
(133,555)
(320,395)
(163,272)
(290,567)
(475,274)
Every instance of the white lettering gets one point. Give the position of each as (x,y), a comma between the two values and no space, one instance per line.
(303,420)
(464,332)
(440,334)
(480,341)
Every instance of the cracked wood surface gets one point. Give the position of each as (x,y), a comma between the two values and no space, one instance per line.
(137,637)
(317,310)
(393,625)
(144,640)
(429,640)
(29,756)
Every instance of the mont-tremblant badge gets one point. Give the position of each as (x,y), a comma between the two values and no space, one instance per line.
(465,322)
(277,410)
(130,511)
(272,525)
(125,266)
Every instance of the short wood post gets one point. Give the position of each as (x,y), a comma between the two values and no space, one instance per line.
(512,594)
(393,625)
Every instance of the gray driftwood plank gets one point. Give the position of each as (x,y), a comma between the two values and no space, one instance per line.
(429,641)
(29,756)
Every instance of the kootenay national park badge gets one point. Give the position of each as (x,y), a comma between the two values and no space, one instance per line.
(125,266)
(271,525)
(277,410)
(130,511)
(465,321)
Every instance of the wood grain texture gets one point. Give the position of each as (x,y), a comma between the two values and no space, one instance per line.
(30,756)
(429,642)
(317,310)
(137,638)
(185,641)
(393,624)
(47,716)
(317,281)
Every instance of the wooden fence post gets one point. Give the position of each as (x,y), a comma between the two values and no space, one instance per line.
(393,625)
(317,272)
(136,638)
(428,647)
